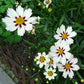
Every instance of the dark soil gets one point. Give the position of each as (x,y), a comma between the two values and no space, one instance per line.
(23,51)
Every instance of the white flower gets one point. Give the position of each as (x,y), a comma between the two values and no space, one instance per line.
(36,21)
(51,63)
(60,51)
(50,73)
(20,19)
(68,67)
(42,59)
(65,36)
(47,2)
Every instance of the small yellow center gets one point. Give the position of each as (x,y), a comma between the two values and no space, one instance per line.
(42,59)
(64,36)
(48,2)
(37,20)
(51,61)
(67,66)
(50,73)
(60,51)
(20,21)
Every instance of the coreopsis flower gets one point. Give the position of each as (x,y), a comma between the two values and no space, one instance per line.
(42,59)
(68,67)
(36,21)
(51,63)
(60,51)
(19,20)
(47,2)
(50,73)
(65,35)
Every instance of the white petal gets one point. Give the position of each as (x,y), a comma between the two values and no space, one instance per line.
(40,65)
(21,31)
(31,19)
(53,48)
(39,54)
(28,27)
(11,28)
(27,13)
(74,60)
(75,67)
(58,31)
(68,55)
(71,74)
(11,13)
(67,47)
(69,30)
(63,60)
(56,36)
(73,34)
(60,67)
(65,74)
(8,21)
(62,28)
(20,11)
(70,41)
(43,54)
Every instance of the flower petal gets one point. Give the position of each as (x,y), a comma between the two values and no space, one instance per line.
(21,31)
(11,28)
(74,60)
(27,13)
(20,11)
(69,30)
(71,74)
(75,67)
(65,74)
(28,27)
(31,19)
(73,34)
(56,36)
(11,13)
(62,28)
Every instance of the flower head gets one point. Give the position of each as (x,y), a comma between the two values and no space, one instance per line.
(68,67)
(60,51)
(50,73)
(19,20)
(47,3)
(42,59)
(51,63)
(65,35)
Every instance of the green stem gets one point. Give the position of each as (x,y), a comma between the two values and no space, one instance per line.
(30,43)
(79,75)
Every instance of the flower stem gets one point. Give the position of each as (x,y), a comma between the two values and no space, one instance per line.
(30,43)
(79,75)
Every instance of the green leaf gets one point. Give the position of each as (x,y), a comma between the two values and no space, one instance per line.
(1,31)
(6,34)
(26,0)
(13,1)
(17,38)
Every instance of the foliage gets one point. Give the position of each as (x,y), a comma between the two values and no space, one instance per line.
(67,12)
(6,36)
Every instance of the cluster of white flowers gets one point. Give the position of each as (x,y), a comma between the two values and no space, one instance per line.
(20,20)
(59,55)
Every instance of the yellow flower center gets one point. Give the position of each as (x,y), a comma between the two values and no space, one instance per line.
(37,20)
(51,61)
(50,73)
(20,21)
(67,66)
(42,59)
(48,2)
(64,36)
(60,51)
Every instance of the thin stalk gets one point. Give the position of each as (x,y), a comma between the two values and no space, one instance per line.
(32,44)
